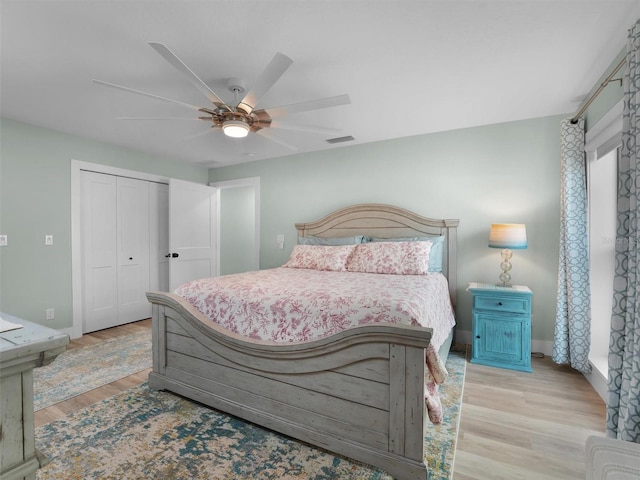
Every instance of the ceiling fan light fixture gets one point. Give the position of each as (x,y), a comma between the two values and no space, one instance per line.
(235,128)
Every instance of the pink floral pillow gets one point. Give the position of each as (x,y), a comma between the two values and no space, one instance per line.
(318,257)
(400,258)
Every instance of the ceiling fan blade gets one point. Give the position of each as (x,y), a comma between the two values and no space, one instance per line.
(163,118)
(157,97)
(199,134)
(266,133)
(304,128)
(179,65)
(327,102)
(276,68)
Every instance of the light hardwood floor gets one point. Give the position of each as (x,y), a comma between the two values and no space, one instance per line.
(513,425)
(60,410)
(526,425)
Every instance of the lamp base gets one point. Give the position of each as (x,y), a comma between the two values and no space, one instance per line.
(504,277)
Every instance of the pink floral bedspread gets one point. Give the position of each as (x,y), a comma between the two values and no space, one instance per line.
(290,304)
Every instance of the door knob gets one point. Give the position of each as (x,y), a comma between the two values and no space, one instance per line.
(130,258)
(174,255)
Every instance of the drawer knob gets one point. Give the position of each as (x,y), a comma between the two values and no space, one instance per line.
(499,303)
(477,336)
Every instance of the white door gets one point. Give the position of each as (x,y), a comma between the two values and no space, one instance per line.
(99,253)
(133,250)
(159,236)
(192,232)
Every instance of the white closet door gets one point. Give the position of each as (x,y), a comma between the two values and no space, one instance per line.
(159,240)
(192,232)
(133,249)
(99,257)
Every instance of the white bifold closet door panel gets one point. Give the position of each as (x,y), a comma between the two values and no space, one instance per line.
(116,249)
(99,250)
(133,249)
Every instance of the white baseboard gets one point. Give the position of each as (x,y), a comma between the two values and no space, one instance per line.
(598,380)
(542,346)
(74,331)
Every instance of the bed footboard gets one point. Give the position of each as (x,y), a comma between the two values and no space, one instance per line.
(359,393)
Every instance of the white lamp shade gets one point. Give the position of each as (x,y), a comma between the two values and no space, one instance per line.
(235,128)
(508,235)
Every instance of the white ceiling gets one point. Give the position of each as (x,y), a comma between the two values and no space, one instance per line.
(409,67)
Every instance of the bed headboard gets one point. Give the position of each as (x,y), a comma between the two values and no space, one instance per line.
(387,221)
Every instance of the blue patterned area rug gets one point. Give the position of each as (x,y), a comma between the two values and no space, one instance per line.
(81,369)
(143,434)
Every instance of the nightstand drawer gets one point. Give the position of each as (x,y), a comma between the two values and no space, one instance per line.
(502,304)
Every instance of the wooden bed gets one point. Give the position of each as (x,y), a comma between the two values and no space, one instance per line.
(359,393)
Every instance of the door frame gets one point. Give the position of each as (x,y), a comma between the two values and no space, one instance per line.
(241,182)
(75,331)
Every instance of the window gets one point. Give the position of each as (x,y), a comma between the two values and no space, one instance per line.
(602,149)
(602,237)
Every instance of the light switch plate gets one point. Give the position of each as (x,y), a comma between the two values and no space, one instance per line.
(48,239)
(3,240)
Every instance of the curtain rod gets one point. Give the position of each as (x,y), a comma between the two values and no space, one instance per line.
(597,92)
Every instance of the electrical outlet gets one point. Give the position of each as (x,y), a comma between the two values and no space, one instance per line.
(50,314)
(48,239)
(3,240)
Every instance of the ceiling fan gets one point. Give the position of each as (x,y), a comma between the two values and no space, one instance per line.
(243,118)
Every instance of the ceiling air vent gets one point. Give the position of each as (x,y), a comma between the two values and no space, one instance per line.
(348,138)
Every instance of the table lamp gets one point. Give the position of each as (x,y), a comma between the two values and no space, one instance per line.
(508,236)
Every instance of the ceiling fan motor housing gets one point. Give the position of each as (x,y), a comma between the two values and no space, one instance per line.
(236,85)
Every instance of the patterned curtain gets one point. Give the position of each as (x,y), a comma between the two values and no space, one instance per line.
(572,338)
(623,402)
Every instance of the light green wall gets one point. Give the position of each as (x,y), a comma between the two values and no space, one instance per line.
(35,199)
(237,229)
(499,173)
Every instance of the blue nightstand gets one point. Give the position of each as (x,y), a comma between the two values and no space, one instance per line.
(501,326)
